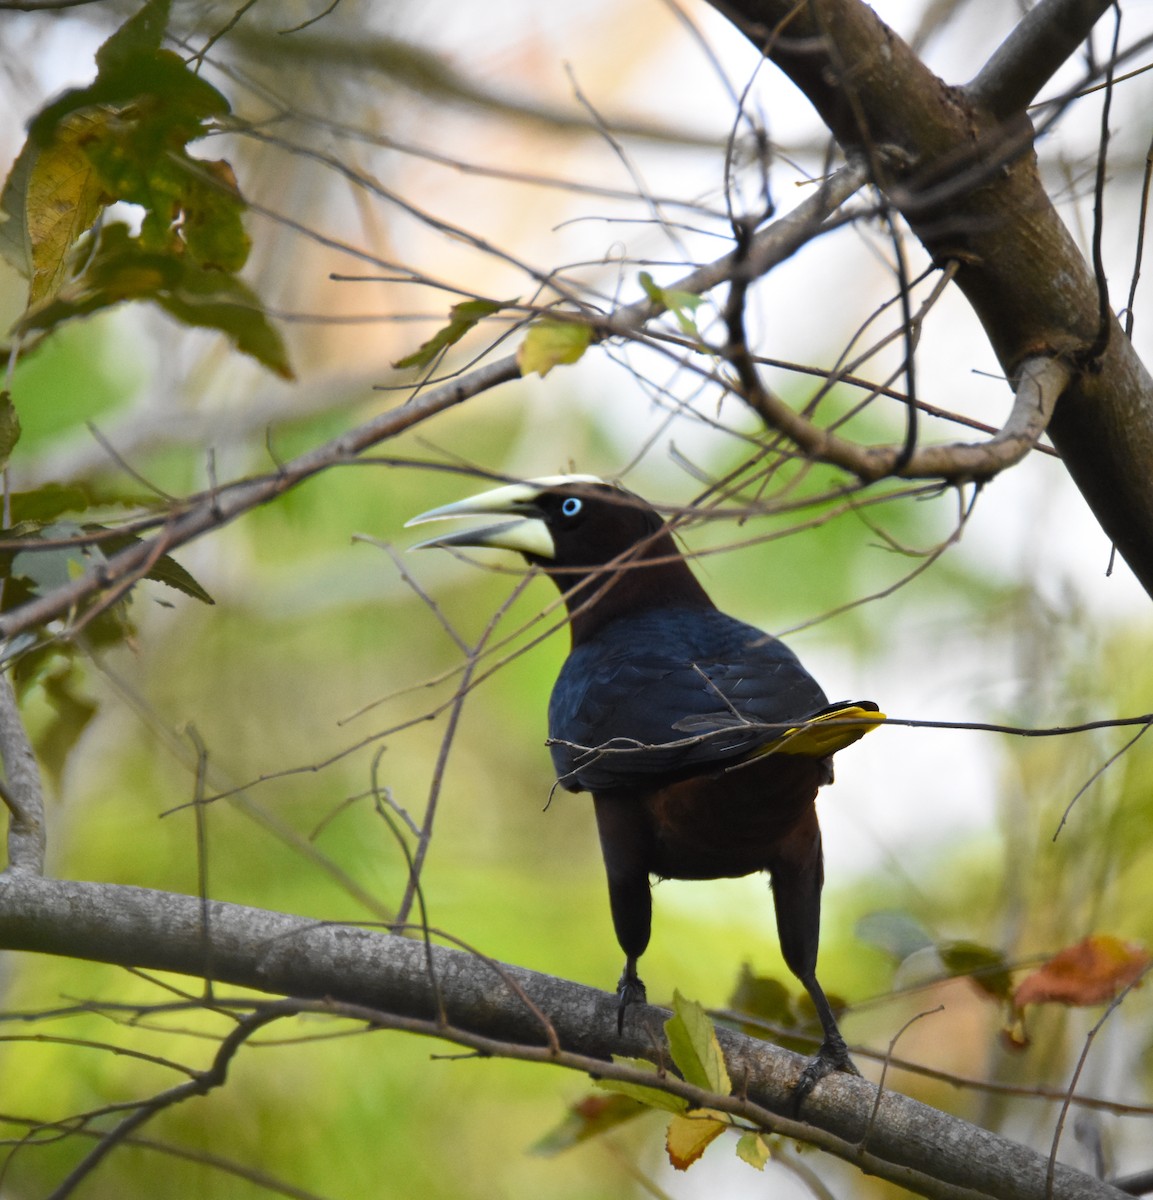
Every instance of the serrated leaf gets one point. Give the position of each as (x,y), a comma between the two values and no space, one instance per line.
(753,1149)
(694,1047)
(46,503)
(64,197)
(550,344)
(165,570)
(9,428)
(650,1097)
(690,1135)
(587,1119)
(462,318)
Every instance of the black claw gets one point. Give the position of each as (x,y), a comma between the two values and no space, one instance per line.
(630,990)
(832,1056)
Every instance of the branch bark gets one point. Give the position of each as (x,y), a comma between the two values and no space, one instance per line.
(958,164)
(458,994)
(21,790)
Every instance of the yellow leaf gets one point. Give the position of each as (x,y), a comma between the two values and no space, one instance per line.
(64,196)
(753,1149)
(689,1135)
(550,343)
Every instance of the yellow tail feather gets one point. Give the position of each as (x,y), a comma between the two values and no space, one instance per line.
(827,733)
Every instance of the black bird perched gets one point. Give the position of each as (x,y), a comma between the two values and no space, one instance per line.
(702,739)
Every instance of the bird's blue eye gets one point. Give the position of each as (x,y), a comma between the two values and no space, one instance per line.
(571,507)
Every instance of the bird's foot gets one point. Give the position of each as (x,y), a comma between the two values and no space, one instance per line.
(630,990)
(832,1056)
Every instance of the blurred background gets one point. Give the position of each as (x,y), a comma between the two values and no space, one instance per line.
(399,157)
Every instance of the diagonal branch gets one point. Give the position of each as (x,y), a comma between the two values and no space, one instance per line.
(1027,59)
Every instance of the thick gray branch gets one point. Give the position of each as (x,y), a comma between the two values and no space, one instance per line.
(1029,57)
(21,791)
(292,956)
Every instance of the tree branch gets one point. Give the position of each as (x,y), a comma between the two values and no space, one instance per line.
(550,1019)
(21,790)
(215,509)
(1029,57)
(1042,381)
(968,184)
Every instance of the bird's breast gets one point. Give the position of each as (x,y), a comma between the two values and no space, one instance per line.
(729,824)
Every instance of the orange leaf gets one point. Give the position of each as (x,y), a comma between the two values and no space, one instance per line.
(1091,972)
(689,1135)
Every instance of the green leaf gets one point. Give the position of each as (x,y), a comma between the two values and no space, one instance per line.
(586,1119)
(753,1149)
(551,343)
(650,1097)
(165,570)
(120,269)
(140,33)
(462,318)
(52,567)
(46,503)
(9,428)
(897,933)
(72,714)
(984,966)
(694,1047)
(681,304)
(764,997)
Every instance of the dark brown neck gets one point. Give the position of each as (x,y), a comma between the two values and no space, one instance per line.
(655,577)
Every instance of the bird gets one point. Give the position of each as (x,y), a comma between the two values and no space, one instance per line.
(702,739)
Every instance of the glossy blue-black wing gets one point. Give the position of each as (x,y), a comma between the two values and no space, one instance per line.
(672,692)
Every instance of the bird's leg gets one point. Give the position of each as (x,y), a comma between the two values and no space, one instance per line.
(625,844)
(833,1054)
(798,873)
(630,990)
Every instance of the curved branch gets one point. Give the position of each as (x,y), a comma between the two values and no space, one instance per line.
(1041,382)
(293,956)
